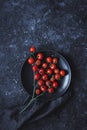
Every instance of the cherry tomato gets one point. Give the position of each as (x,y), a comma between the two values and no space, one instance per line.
(53,66)
(40,82)
(52,79)
(48,83)
(56,71)
(37,76)
(49,59)
(62,72)
(51,90)
(41,71)
(45,77)
(43,88)
(44,65)
(55,84)
(49,71)
(38,62)
(32,49)
(57,76)
(55,60)
(38,91)
(35,68)
(40,56)
(31,60)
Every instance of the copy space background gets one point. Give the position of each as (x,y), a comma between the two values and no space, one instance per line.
(48,24)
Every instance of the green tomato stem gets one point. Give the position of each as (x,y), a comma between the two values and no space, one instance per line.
(34,85)
(26,106)
(33,99)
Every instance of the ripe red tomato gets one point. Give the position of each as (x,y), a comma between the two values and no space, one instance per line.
(52,79)
(38,91)
(37,76)
(49,71)
(62,72)
(51,90)
(56,71)
(40,56)
(38,62)
(32,49)
(48,83)
(44,65)
(55,84)
(41,71)
(49,59)
(40,82)
(31,60)
(57,76)
(35,68)
(55,60)
(45,77)
(43,88)
(53,66)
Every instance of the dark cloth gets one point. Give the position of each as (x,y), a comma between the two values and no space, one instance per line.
(36,111)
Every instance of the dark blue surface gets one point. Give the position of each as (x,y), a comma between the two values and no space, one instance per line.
(60,25)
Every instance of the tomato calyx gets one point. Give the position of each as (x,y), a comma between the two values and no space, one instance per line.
(40,56)
(52,79)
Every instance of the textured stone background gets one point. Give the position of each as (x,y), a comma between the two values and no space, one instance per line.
(57,24)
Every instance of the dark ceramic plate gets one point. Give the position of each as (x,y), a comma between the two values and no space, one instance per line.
(27,77)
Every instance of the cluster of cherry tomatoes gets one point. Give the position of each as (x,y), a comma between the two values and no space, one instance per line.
(47,73)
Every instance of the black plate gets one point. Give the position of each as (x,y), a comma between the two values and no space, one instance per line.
(27,77)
